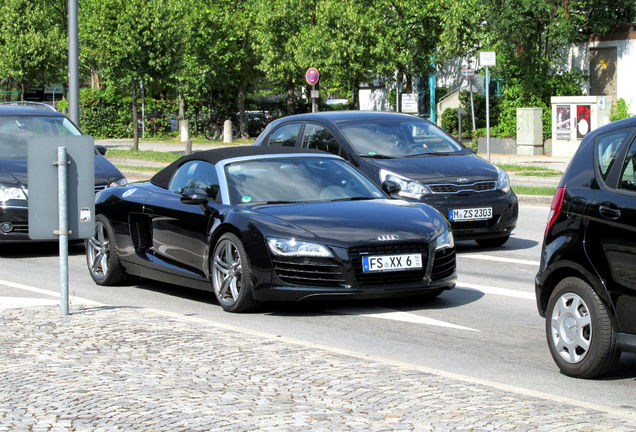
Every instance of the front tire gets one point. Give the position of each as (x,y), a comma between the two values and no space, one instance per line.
(579,330)
(231,275)
(102,259)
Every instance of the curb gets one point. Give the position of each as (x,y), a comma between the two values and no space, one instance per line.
(535,199)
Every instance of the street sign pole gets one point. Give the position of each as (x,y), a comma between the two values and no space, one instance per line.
(314,102)
(488,113)
(73,62)
(312,77)
(62,231)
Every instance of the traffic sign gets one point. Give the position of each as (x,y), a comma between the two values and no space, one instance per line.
(468,72)
(487,58)
(312,76)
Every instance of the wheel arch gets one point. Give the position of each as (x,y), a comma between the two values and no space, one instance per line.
(572,269)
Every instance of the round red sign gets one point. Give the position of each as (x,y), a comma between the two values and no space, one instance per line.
(312,76)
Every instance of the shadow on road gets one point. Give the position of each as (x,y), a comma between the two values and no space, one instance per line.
(38,249)
(512,244)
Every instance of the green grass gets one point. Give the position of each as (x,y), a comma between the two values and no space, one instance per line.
(534,190)
(148,155)
(138,168)
(197,140)
(528,170)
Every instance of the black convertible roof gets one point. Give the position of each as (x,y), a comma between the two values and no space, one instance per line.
(162,178)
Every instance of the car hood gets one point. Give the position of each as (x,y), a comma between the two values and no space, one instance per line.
(343,223)
(13,172)
(439,169)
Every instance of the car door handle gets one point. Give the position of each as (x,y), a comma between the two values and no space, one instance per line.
(608,212)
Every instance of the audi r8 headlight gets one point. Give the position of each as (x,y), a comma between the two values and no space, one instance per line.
(296,248)
(503,181)
(9,193)
(445,240)
(121,182)
(408,188)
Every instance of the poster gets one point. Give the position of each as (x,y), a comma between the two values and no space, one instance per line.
(583,117)
(563,122)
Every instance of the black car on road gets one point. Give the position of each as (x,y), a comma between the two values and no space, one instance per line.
(260,223)
(586,285)
(19,122)
(429,165)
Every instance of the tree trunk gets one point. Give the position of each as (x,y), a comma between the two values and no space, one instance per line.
(241,109)
(290,97)
(355,96)
(22,90)
(409,84)
(135,119)
(95,80)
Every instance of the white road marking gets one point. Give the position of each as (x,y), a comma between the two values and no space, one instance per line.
(497,291)
(72,298)
(396,315)
(22,302)
(499,259)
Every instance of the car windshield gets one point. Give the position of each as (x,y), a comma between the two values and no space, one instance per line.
(15,130)
(398,138)
(294,179)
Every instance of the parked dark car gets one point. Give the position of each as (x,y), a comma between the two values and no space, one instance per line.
(253,224)
(17,124)
(428,164)
(586,285)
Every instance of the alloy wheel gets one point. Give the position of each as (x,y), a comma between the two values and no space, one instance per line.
(571,328)
(98,250)
(227,272)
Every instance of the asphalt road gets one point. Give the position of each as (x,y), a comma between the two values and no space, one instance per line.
(487,329)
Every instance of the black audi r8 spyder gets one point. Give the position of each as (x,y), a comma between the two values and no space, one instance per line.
(259,223)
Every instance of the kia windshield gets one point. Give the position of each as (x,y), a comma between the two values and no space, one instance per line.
(397,138)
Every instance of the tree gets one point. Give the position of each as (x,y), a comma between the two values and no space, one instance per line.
(32,42)
(132,40)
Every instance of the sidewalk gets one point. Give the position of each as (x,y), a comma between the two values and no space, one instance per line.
(115,368)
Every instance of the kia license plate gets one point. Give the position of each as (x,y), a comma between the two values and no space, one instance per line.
(459,215)
(379,263)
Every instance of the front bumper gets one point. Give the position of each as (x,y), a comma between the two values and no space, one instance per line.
(505,211)
(15,214)
(294,279)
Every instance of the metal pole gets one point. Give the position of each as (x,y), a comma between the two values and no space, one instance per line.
(314,105)
(488,113)
(63,227)
(143,109)
(431,88)
(73,62)
(459,123)
(472,104)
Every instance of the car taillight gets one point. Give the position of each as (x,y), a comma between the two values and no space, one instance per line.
(555,208)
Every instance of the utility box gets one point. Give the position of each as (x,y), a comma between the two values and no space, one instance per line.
(573,117)
(529,131)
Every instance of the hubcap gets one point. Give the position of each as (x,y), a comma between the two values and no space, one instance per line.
(571,328)
(98,251)
(226,272)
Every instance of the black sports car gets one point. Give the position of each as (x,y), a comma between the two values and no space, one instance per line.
(17,124)
(260,223)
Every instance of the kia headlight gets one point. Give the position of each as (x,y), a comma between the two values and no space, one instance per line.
(408,188)
(297,248)
(503,181)
(121,182)
(10,193)
(445,240)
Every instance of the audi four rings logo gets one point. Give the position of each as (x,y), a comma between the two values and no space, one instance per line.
(388,237)
(462,179)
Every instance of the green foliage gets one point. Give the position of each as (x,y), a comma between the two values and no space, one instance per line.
(619,110)
(451,125)
(32,42)
(104,113)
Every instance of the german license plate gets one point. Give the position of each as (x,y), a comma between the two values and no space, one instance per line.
(378,263)
(458,215)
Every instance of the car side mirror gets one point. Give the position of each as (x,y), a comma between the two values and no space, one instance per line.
(100,149)
(194,196)
(390,187)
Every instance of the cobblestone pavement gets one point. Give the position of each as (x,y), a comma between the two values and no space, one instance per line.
(126,369)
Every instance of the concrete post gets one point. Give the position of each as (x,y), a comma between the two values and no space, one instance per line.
(227,131)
